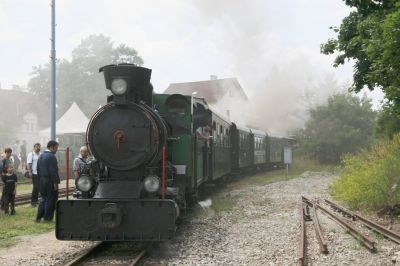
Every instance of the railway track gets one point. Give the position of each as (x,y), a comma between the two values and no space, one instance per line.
(347,224)
(19,183)
(93,256)
(26,198)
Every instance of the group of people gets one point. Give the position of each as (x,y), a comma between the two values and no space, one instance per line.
(42,168)
(18,154)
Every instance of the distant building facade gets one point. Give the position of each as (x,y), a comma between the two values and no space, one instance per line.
(19,117)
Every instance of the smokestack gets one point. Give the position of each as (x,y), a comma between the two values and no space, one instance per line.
(213,77)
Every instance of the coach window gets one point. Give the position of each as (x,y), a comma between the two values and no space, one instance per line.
(221,131)
(227,137)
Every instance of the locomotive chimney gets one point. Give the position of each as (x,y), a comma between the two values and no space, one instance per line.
(128,82)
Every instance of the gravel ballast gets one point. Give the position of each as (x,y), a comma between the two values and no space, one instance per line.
(260,228)
(263,229)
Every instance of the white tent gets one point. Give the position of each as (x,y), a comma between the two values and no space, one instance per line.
(73,121)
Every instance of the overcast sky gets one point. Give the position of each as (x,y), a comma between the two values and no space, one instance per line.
(180,40)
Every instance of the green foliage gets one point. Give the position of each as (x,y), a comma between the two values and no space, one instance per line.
(388,122)
(344,125)
(224,203)
(370,35)
(371,180)
(78,80)
(299,166)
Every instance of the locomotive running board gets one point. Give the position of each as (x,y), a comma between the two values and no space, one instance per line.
(115,220)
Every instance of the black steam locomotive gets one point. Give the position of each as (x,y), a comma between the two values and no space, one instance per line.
(150,163)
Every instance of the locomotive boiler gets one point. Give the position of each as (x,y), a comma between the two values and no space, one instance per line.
(129,191)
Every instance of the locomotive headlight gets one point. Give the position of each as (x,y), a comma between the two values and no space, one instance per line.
(152,183)
(119,86)
(84,183)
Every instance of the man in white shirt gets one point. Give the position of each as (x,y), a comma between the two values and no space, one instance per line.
(32,170)
(204,133)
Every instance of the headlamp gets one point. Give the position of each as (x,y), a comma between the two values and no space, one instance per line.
(119,86)
(84,183)
(152,183)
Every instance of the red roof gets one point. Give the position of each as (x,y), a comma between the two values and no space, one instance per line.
(211,90)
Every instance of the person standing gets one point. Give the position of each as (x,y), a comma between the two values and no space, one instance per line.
(6,160)
(3,166)
(15,155)
(10,184)
(204,133)
(80,162)
(15,147)
(32,172)
(47,169)
(23,155)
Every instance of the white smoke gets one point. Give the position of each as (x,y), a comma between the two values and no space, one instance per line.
(282,82)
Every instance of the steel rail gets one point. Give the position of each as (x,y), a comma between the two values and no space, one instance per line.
(341,209)
(366,241)
(302,249)
(306,200)
(19,183)
(84,255)
(26,198)
(370,224)
(138,258)
(87,253)
(323,247)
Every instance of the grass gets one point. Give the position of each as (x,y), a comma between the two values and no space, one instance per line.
(24,189)
(27,188)
(224,203)
(21,224)
(299,166)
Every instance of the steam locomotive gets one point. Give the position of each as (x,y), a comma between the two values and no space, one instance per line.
(149,162)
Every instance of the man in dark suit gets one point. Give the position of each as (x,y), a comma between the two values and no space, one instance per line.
(47,169)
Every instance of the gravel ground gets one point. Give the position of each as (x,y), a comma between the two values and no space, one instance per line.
(261,229)
(41,250)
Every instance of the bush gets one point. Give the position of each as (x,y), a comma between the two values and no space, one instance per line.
(343,126)
(371,179)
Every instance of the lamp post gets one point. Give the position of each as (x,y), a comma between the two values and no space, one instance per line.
(53,70)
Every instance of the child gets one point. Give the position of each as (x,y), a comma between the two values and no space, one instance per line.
(9,190)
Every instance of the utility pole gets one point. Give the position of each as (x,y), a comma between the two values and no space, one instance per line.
(53,70)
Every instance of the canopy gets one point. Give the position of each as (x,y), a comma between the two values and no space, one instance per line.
(73,121)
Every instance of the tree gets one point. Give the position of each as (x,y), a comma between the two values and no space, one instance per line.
(344,125)
(78,80)
(370,35)
(388,122)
